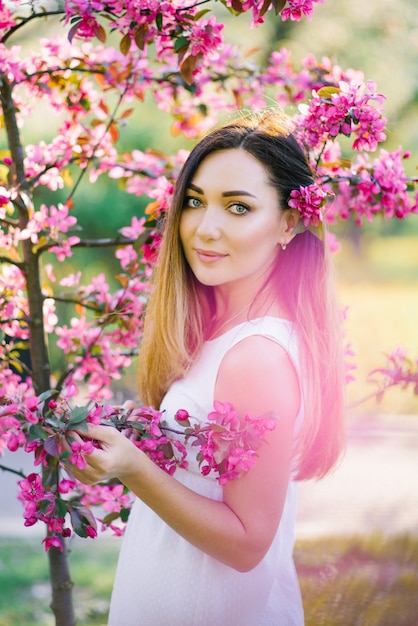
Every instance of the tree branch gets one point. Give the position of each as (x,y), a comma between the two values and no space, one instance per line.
(107,242)
(12,471)
(25,20)
(9,320)
(56,70)
(5,259)
(108,125)
(90,307)
(8,221)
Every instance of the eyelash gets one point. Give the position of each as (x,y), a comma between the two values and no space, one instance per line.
(190,199)
(240,204)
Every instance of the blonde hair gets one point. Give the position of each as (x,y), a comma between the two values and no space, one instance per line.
(180,307)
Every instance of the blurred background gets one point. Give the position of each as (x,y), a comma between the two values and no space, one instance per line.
(375,487)
(378,264)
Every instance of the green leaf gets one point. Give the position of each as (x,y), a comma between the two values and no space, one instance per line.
(61,507)
(78,415)
(124,514)
(159,21)
(54,422)
(326,92)
(37,432)
(110,517)
(200,14)
(47,394)
(181,42)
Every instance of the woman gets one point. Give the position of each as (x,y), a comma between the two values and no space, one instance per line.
(242,312)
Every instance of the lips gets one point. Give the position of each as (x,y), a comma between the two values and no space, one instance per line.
(209,256)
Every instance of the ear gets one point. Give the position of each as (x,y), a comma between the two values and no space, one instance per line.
(292,226)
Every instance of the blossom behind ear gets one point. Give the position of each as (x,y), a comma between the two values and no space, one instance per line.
(308,201)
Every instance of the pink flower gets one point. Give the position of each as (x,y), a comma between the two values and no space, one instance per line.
(114,499)
(127,255)
(182,415)
(136,228)
(79,450)
(90,532)
(31,488)
(66,485)
(15,441)
(223,414)
(52,542)
(241,459)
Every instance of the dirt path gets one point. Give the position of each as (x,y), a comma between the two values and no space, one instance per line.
(374,488)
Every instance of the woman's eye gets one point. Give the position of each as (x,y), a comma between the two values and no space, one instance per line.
(239,209)
(193,203)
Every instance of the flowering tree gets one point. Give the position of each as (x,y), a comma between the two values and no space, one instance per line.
(172,52)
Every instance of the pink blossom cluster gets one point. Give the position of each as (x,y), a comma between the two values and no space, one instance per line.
(6,16)
(308,201)
(228,449)
(297,9)
(344,110)
(39,505)
(374,187)
(399,369)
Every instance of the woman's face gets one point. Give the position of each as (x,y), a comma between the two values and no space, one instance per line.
(231,225)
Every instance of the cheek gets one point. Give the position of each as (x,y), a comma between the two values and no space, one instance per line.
(268,235)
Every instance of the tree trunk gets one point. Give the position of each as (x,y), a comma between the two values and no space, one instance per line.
(62,603)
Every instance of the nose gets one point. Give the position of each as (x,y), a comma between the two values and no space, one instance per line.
(209,226)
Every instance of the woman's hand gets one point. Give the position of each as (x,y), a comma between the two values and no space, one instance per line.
(113,455)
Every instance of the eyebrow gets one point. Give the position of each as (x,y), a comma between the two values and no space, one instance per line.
(226,194)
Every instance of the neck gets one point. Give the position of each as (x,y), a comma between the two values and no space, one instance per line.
(240,311)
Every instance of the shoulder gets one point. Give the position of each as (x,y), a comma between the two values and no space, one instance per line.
(256,351)
(259,374)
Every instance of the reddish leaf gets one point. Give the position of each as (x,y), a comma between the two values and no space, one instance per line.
(140,36)
(186,69)
(237,6)
(126,113)
(72,32)
(278,5)
(100,33)
(265,7)
(181,53)
(125,44)
(114,133)
(50,446)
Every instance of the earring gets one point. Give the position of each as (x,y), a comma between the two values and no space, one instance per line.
(283,245)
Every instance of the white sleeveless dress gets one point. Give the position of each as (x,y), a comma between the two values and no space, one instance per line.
(163,580)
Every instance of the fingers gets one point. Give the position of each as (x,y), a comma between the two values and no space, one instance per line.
(100,436)
(97,453)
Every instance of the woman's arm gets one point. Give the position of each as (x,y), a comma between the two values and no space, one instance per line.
(256,377)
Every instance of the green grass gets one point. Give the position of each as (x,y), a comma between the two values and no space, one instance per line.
(25,589)
(356,581)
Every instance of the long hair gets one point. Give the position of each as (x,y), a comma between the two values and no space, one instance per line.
(180,307)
